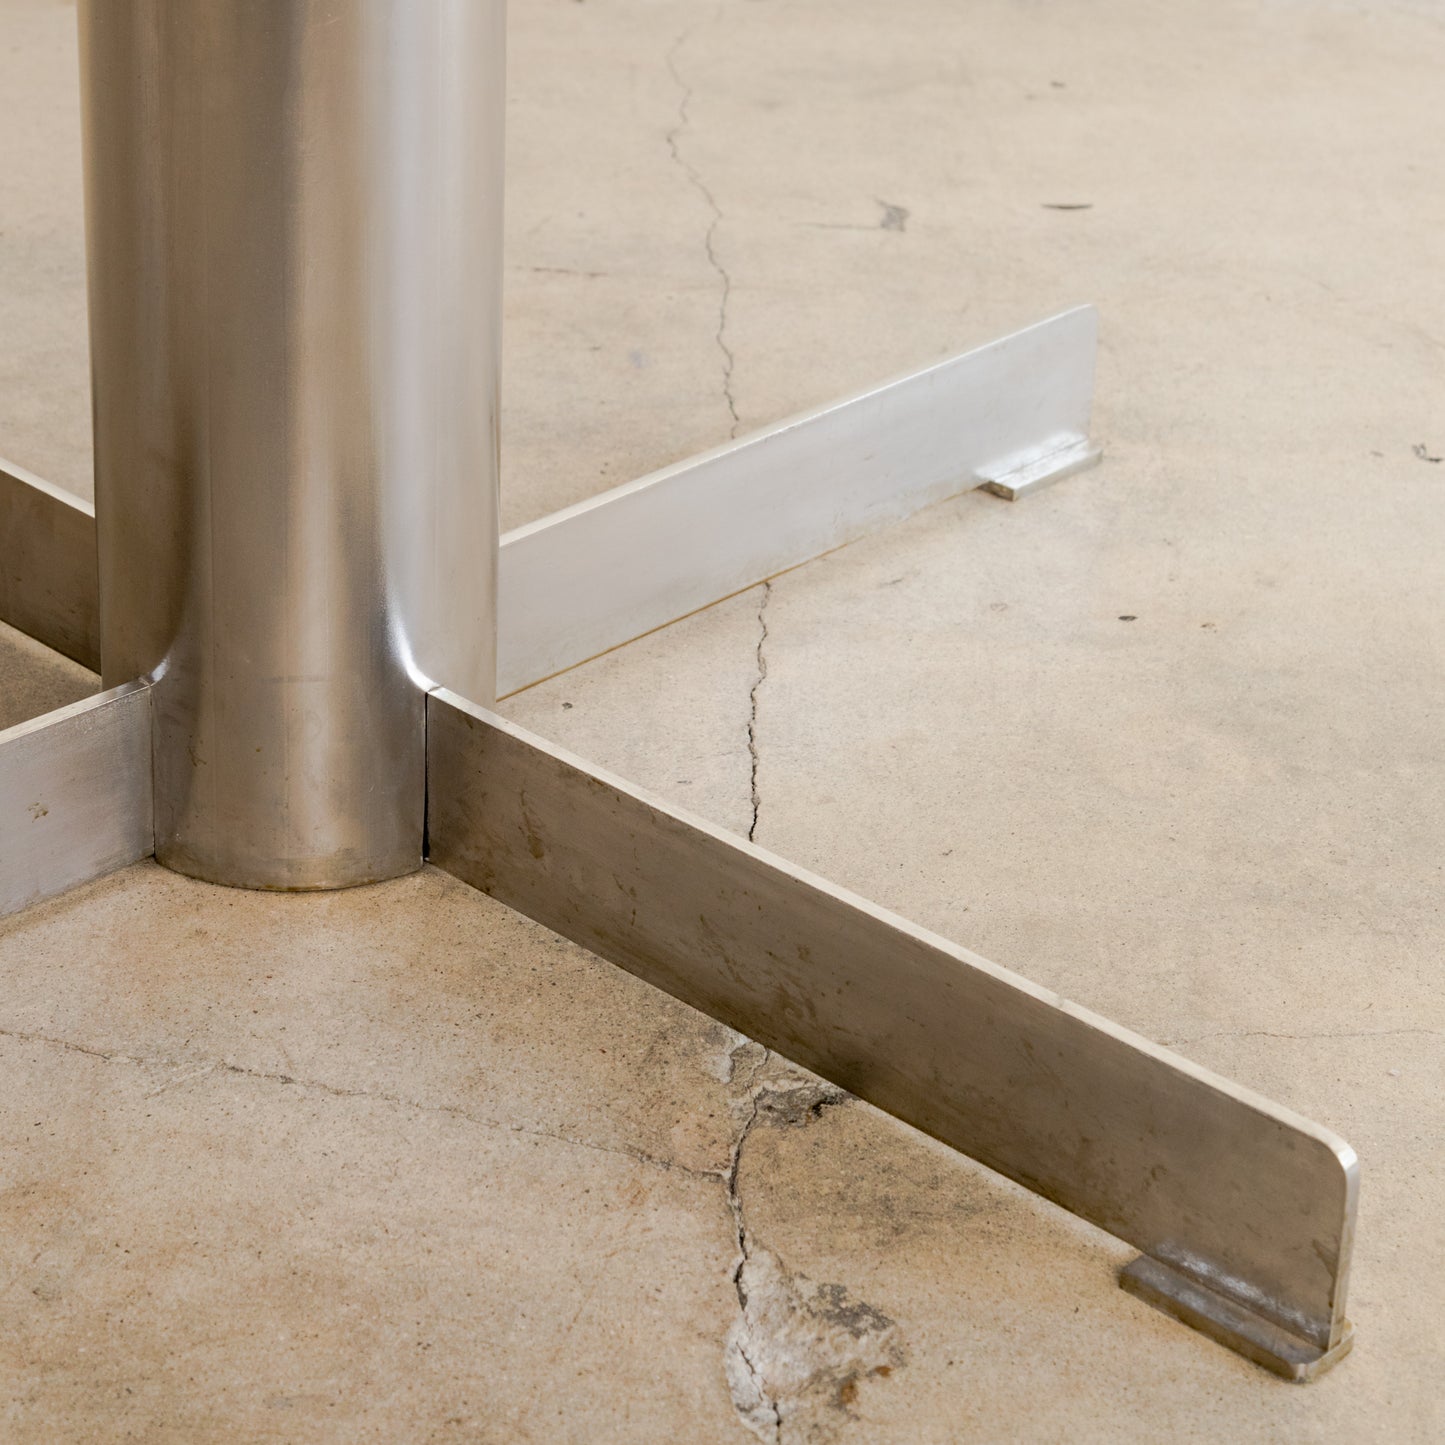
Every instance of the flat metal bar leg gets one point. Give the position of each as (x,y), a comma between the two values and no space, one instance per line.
(75,795)
(1233,1193)
(49,585)
(1011,415)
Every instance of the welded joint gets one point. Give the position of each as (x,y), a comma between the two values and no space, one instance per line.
(1281,1351)
(1039,467)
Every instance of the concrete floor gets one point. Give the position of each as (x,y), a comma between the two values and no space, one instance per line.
(398,1164)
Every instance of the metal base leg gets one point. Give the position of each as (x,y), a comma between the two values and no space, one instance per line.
(49,587)
(1253,1205)
(75,795)
(1011,417)
(294,245)
(1245,1212)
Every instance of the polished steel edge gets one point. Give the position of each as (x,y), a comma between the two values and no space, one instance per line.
(1232,1189)
(49,586)
(1020,477)
(591,577)
(1248,1334)
(75,795)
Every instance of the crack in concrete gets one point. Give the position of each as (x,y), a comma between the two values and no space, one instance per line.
(200,1068)
(684,120)
(1298,1038)
(796,1352)
(751,1392)
(762,676)
(109,1056)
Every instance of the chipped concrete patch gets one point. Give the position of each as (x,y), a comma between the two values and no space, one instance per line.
(793,1101)
(800,1353)
(738,1059)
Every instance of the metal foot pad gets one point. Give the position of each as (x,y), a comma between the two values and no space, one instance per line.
(1033,471)
(1246,1333)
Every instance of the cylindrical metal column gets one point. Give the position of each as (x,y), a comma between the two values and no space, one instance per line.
(294,233)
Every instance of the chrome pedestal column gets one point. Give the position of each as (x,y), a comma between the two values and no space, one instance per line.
(294,241)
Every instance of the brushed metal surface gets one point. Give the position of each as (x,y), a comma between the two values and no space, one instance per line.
(75,795)
(610,569)
(1227,1188)
(294,240)
(48,586)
